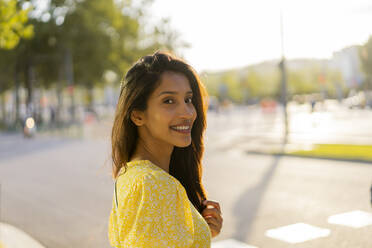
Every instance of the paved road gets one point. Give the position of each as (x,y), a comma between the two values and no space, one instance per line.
(59,191)
(259,193)
(59,194)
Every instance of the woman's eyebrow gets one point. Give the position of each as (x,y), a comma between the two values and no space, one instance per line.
(173,92)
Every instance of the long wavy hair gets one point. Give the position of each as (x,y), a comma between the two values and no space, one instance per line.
(139,83)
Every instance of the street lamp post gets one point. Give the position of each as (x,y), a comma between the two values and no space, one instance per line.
(282,66)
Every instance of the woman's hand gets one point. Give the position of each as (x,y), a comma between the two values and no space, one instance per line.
(213,216)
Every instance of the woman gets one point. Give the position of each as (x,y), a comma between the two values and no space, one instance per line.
(157,147)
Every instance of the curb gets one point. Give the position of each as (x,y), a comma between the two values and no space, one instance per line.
(278,149)
(368,162)
(12,237)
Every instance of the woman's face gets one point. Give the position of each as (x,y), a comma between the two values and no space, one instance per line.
(170,112)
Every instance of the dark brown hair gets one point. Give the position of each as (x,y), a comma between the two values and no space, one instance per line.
(139,83)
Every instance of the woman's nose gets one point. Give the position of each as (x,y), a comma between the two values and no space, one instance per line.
(187,110)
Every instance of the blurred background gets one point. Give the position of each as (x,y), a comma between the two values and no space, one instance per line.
(289,136)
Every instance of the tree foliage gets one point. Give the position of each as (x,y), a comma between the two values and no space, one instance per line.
(263,81)
(365,53)
(13,24)
(78,41)
(75,43)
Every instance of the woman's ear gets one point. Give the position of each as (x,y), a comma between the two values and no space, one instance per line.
(137,117)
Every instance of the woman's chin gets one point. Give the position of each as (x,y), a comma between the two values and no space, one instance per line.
(183,144)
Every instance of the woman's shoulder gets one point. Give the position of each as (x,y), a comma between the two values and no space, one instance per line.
(145,173)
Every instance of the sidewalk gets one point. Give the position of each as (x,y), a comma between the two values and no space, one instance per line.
(12,237)
(268,144)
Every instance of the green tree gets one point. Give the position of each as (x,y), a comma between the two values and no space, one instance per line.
(301,82)
(13,24)
(365,54)
(76,42)
(261,84)
(252,83)
(231,80)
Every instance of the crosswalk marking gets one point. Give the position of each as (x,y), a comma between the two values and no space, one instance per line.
(301,232)
(355,219)
(231,243)
(297,233)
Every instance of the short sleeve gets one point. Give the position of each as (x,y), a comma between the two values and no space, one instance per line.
(154,213)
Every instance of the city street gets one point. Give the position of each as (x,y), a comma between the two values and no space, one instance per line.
(288,126)
(59,190)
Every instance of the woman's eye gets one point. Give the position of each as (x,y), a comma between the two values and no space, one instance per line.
(169,101)
(189,100)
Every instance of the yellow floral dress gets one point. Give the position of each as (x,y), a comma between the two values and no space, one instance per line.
(151,209)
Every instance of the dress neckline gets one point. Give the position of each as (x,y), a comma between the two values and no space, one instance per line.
(151,165)
(146,162)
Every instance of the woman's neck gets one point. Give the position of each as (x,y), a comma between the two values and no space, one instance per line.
(156,154)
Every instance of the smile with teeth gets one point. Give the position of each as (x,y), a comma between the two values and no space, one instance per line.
(182,129)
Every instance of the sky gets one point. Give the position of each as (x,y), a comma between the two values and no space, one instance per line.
(236,33)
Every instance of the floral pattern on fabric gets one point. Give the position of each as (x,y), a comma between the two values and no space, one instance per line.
(154,211)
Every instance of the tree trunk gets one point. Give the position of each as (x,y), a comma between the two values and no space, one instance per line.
(16,93)
(59,106)
(28,85)
(69,70)
(59,91)
(90,97)
(3,109)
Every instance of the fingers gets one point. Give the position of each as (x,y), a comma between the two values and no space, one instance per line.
(213,221)
(214,226)
(213,216)
(213,213)
(212,203)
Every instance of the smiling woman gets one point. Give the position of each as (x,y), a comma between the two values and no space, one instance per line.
(170,112)
(157,147)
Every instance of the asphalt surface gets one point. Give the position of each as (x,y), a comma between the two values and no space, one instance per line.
(259,193)
(59,190)
(60,195)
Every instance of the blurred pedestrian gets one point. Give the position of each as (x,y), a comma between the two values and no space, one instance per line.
(52,116)
(157,146)
(312,103)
